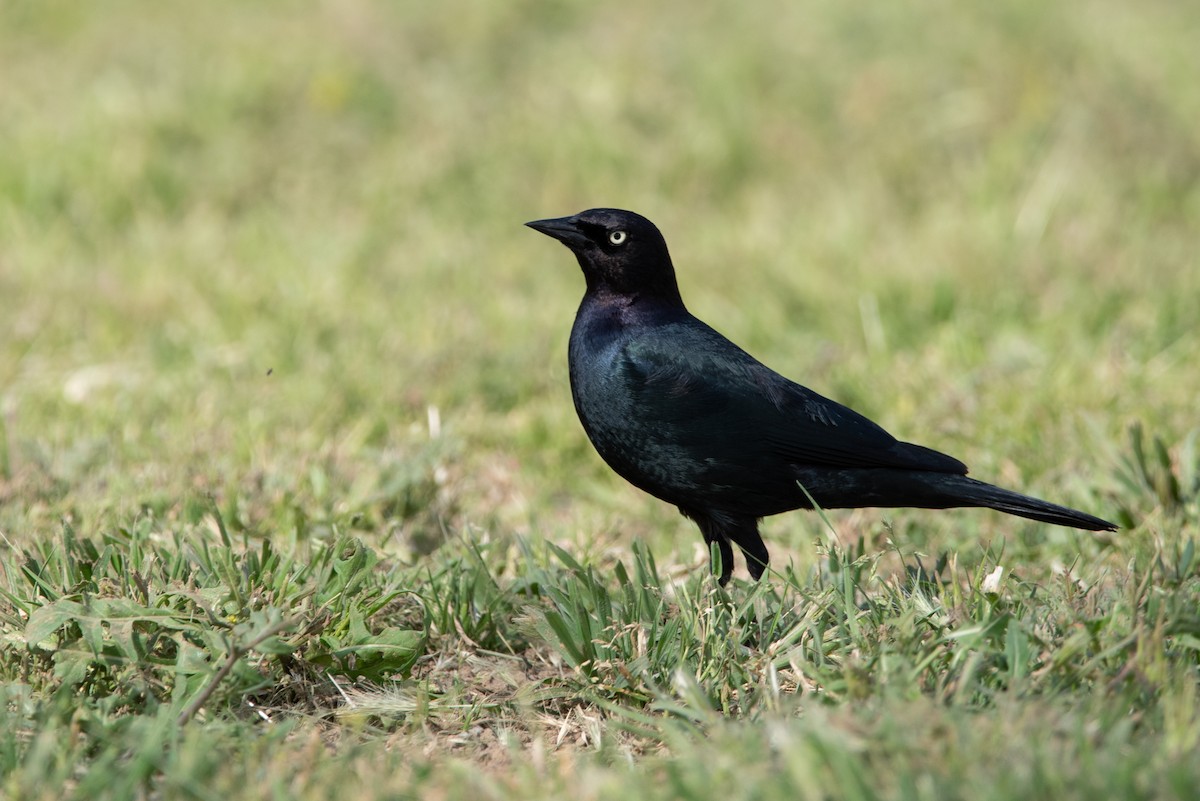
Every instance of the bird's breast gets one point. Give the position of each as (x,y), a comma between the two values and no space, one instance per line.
(593,360)
(641,447)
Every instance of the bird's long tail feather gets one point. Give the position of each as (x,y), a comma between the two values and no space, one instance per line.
(924,489)
(970,492)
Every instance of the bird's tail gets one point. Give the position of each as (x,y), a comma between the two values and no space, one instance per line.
(926,489)
(969,492)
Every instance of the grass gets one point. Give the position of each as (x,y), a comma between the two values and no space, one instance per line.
(293,502)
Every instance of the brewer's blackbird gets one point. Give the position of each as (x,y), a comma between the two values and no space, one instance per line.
(686,415)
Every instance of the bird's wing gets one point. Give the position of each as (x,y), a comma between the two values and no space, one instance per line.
(713,393)
(838,436)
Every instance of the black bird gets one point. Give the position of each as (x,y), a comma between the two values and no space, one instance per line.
(686,415)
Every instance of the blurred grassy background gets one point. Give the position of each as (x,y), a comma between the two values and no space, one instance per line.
(246,248)
(270,256)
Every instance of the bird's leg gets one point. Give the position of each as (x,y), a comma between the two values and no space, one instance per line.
(713,532)
(745,533)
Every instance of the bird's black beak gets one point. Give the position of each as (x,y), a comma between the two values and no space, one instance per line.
(563,229)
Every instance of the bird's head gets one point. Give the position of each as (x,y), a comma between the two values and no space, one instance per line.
(619,251)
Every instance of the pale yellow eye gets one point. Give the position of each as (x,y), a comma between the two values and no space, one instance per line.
(618,237)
